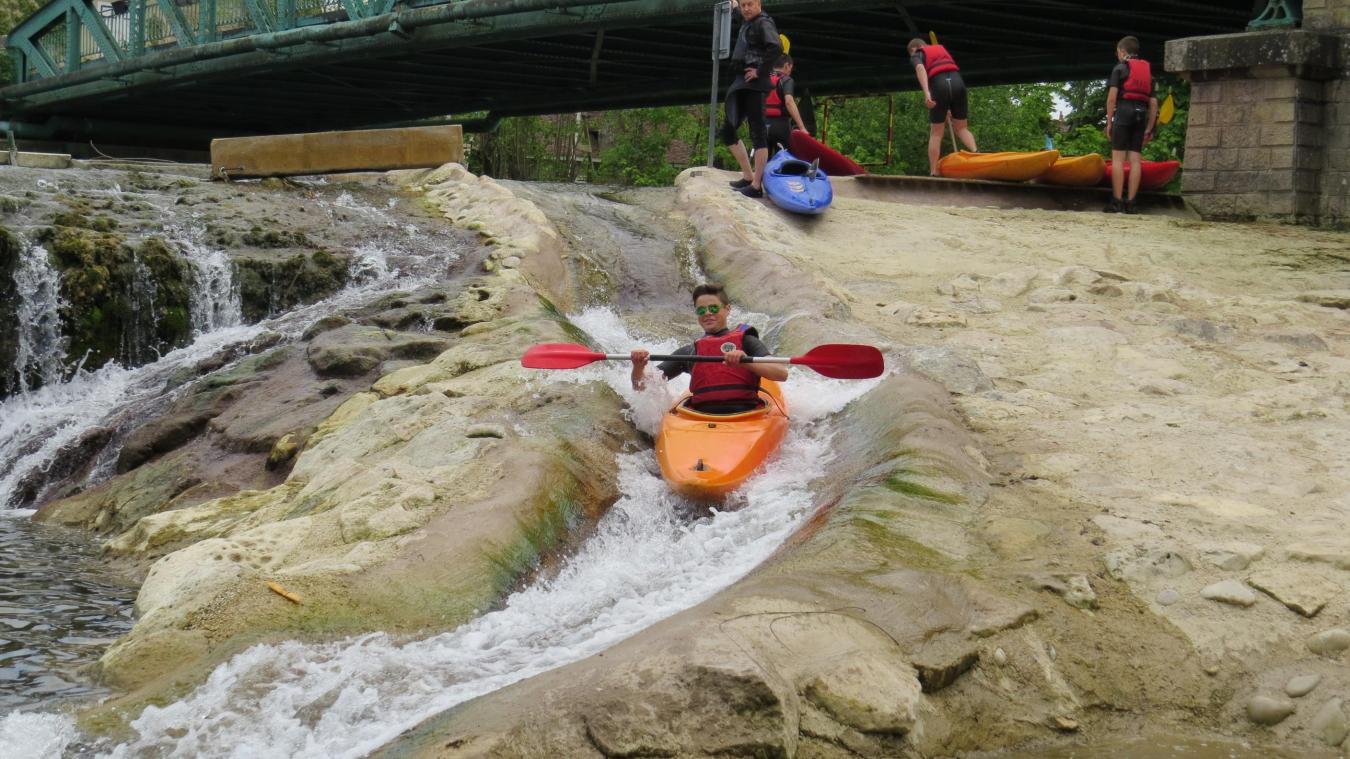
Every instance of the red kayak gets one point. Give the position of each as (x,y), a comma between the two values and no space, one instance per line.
(808,148)
(1156,174)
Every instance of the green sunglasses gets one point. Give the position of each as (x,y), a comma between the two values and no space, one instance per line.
(701,310)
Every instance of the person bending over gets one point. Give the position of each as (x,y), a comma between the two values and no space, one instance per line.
(944,92)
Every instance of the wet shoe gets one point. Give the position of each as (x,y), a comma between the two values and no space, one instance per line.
(1112,207)
(750,192)
(740,184)
(1130,208)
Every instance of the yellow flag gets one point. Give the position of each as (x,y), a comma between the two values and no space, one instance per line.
(785,42)
(1168,110)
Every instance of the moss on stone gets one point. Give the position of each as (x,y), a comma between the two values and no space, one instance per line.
(539,535)
(268,286)
(106,317)
(899,484)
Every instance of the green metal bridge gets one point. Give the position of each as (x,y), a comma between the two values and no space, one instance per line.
(179,72)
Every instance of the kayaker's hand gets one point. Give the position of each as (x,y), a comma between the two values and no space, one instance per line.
(929,101)
(1108,129)
(639,358)
(751,74)
(733,358)
(1148,136)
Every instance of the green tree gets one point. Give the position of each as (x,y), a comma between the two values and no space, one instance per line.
(11,13)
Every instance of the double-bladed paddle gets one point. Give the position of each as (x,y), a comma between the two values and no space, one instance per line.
(837,360)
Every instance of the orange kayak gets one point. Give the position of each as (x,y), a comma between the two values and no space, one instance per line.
(706,456)
(1075,171)
(1008,167)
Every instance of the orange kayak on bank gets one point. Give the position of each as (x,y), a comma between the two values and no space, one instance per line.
(1075,171)
(706,456)
(1007,167)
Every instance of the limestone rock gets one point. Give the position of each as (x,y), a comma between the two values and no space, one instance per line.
(1329,642)
(1202,330)
(1335,554)
(354,350)
(1012,283)
(929,317)
(1229,592)
(1234,557)
(1302,685)
(1302,340)
(938,669)
(1328,298)
(1075,589)
(1141,563)
(1046,295)
(1330,724)
(1301,591)
(486,430)
(1168,597)
(871,693)
(1269,710)
(323,325)
(161,436)
(952,369)
(284,450)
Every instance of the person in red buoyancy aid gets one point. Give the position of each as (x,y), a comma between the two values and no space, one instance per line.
(944,92)
(1131,112)
(728,387)
(781,114)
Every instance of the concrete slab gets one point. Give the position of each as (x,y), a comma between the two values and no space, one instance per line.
(976,192)
(37,160)
(331,152)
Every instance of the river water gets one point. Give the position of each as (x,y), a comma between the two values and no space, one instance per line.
(60,605)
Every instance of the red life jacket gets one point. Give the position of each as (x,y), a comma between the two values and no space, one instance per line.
(773,102)
(1140,84)
(710,382)
(936,60)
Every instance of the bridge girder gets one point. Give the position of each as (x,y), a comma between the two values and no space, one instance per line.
(517,57)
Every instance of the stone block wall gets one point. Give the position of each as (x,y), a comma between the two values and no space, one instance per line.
(1269,130)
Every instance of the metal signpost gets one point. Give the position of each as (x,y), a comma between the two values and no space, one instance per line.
(721,48)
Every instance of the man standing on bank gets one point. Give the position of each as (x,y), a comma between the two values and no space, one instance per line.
(781,114)
(757,47)
(1131,112)
(944,92)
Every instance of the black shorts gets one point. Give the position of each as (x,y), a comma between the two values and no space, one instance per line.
(745,105)
(949,90)
(1127,130)
(779,129)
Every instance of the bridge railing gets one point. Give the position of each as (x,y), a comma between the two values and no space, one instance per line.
(68,35)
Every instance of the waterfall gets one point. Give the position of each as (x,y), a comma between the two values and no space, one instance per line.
(41,353)
(215,294)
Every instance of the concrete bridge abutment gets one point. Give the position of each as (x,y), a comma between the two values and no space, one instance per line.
(1269,129)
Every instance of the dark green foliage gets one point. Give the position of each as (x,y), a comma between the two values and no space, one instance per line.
(108,315)
(268,286)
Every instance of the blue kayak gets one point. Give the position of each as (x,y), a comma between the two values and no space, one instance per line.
(795,185)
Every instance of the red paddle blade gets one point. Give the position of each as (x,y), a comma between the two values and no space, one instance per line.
(843,361)
(559,356)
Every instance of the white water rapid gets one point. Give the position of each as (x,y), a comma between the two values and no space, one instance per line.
(41,352)
(215,300)
(645,562)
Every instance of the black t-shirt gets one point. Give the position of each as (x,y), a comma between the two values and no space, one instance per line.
(1119,75)
(757,47)
(752,345)
(918,59)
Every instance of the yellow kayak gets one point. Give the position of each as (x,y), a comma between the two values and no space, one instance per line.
(1076,171)
(1008,167)
(706,456)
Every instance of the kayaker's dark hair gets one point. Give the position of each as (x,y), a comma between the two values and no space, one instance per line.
(915,44)
(783,60)
(1129,44)
(711,289)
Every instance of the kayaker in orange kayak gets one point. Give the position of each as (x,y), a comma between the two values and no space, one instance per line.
(944,92)
(728,387)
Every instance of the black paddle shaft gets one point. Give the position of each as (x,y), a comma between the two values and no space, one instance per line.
(701,359)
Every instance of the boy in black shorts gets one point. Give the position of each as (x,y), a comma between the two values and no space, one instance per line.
(757,47)
(944,92)
(1131,110)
